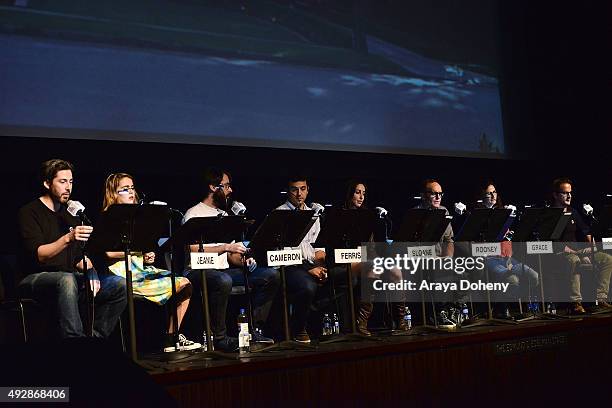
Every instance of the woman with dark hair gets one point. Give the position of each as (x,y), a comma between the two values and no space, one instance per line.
(149,282)
(504,267)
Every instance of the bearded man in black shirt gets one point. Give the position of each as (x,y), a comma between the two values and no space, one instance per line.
(51,258)
(575,251)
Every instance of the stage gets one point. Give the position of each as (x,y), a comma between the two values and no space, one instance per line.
(535,361)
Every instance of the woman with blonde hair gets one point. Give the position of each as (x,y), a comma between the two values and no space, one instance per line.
(149,282)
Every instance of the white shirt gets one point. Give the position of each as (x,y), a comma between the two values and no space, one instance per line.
(308,252)
(203,210)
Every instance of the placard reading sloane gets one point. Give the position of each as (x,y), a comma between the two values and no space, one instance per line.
(343,256)
(486,249)
(539,247)
(284,257)
(205,260)
(607,243)
(427,251)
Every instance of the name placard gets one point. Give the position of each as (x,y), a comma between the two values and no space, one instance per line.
(486,249)
(284,257)
(607,243)
(539,247)
(342,256)
(205,260)
(426,251)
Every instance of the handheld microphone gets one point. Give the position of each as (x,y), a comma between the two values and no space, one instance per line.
(318,208)
(460,208)
(238,208)
(382,213)
(76,209)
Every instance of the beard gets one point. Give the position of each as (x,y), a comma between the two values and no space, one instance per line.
(220,200)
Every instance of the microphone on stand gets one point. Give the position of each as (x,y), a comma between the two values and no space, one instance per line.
(238,208)
(318,209)
(460,208)
(382,213)
(76,209)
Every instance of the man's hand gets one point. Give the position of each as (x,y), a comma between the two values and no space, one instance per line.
(251,264)
(319,273)
(80,233)
(236,247)
(586,260)
(149,258)
(94,281)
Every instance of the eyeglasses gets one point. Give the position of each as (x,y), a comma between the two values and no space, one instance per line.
(491,193)
(126,190)
(436,193)
(225,186)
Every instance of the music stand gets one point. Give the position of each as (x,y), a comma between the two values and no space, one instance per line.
(602,228)
(347,229)
(541,224)
(422,225)
(485,225)
(280,229)
(203,230)
(129,228)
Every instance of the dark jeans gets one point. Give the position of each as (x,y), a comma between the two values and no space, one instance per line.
(263,283)
(60,290)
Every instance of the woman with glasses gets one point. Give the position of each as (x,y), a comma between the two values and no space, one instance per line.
(149,282)
(505,268)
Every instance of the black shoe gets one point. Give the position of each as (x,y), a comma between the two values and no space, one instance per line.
(258,337)
(227,344)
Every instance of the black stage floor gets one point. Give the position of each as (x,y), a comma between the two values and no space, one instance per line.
(480,363)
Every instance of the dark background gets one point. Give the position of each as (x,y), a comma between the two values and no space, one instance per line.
(554,86)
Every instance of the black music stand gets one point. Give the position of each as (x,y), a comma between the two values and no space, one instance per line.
(602,228)
(280,229)
(541,224)
(422,225)
(342,229)
(203,230)
(129,228)
(485,225)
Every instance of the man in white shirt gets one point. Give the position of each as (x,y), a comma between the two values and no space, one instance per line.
(264,282)
(303,280)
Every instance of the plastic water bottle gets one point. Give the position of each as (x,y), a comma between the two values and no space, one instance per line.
(553,309)
(336,329)
(205,343)
(408,318)
(465,312)
(244,337)
(327,325)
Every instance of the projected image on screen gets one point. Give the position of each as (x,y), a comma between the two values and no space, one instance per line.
(377,76)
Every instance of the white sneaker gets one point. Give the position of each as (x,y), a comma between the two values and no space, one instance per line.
(184,345)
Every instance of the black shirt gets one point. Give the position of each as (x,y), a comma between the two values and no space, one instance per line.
(576,230)
(38,225)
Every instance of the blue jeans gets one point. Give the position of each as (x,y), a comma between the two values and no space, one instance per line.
(263,283)
(518,276)
(61,291)
(301,290)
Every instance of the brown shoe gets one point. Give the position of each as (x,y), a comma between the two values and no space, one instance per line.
(302,336)
(576,308)
(363,315)
(603,304)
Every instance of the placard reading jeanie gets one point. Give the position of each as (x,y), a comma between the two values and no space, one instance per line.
(284,257)
(205,260)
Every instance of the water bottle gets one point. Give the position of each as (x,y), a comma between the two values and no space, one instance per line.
(327,325)
(244,337)
(205,343)
(336,324)
(465,312)
(548,308)
(408,318)
(553,309)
